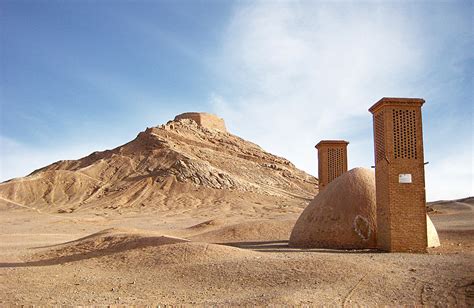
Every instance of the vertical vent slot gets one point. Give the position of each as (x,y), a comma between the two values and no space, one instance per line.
(379,136)
(320,171)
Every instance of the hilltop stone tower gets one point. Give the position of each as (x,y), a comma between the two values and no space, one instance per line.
(332,160)
(204,119)
(399,175)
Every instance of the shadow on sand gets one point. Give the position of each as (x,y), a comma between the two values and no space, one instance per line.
(261,246)
(143,243)
(282,246)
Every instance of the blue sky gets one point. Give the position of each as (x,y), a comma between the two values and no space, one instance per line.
(79,76)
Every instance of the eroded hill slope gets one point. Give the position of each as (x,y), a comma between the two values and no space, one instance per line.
(178,165)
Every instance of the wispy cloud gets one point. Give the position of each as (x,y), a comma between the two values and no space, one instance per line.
(451,176)
(298,72)
(18,159)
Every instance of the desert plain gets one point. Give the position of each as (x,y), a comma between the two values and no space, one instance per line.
(135,258)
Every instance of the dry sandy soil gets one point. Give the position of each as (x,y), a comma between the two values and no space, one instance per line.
(103,257)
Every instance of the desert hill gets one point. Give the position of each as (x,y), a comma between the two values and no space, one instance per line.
(176,166)
(447,206)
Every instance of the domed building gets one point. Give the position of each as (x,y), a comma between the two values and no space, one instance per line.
(343,216)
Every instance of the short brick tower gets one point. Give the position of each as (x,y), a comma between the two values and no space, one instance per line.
(332,160)
(399,175)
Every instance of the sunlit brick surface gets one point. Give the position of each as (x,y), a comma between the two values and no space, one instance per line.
(332,160)
(398,141)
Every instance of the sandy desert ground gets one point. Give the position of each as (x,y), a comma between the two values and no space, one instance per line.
(95,257)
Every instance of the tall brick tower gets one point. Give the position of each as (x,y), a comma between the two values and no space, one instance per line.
(399,175)
(332,160)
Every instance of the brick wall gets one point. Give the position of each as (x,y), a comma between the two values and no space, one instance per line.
(398,141)
(332,160)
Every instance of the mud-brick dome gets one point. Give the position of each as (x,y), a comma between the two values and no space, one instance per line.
(342,216)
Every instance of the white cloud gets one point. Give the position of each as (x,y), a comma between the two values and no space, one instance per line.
(297,72)
(18,159)
(451,176)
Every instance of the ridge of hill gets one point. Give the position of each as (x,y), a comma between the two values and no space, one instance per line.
(178,165)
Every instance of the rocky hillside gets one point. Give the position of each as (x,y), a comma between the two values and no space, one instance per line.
(180,164)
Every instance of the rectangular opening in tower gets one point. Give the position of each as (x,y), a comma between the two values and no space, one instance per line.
(404,134)
(379,136)
(335,163)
